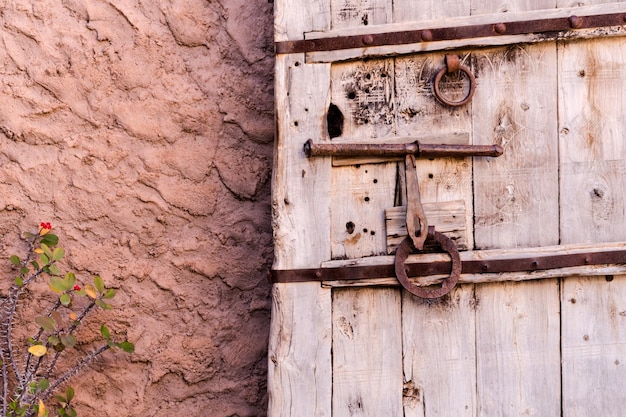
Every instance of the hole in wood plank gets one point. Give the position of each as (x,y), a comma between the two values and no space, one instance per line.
(334,120)
(350,226)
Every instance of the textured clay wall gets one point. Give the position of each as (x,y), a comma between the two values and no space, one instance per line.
(142,130)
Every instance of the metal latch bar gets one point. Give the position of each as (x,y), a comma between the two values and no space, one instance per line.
(523,27)
(474,266)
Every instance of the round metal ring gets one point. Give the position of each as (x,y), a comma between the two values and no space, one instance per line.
(424,292)
(468,97)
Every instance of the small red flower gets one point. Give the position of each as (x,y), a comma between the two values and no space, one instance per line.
(76,288)
(44,227)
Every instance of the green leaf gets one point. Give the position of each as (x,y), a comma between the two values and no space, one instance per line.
(50,239)
(15,260)
(65,299)
(43,259)
(19,281)
(105,332)
(126,347)
(35,265)
(68,340)
(46,249)
(98,283)
(54,270)
(71,279)
(110,293)
(58,254)
(29,235)
(43,384)
(23,270)
(54,340)
(69,394)
(45,323)
(69,412)
(103,305)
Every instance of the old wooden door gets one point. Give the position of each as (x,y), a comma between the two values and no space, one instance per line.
(546,342)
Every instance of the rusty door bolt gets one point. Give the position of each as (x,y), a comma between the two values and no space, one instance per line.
(575,22)
(500,28)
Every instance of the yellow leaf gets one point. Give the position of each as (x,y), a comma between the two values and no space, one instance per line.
(37,350)
(73,316)
(42,410)
(91,291)
(38,250)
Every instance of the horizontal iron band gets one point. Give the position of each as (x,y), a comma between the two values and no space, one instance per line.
(535,263)
(526,27)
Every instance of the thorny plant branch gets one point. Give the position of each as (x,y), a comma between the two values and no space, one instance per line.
(24,389)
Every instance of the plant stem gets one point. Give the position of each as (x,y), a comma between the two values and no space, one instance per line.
(80,365)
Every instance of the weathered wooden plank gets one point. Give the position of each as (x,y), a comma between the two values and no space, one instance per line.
(299,368)
(517,349)
(441,179)
(292,21)
(592,110)
(299,184)
(363,93)
(594,346)
(440,355)
(516,195)
(342,55)
(299,371)
(516,205)
(434,363)
(447,218)
(367,353)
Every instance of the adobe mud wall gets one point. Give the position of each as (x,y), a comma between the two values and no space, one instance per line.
(142,130)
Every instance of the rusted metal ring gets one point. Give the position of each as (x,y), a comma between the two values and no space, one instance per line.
(449,69)
(423,292)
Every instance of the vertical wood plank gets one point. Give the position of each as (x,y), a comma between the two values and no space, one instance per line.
(518,355)
(593,200)
(594,346)
(367,355)
(299,373)
(439,335)
(363,93)
(516,194)
(367,341)
(592,110)
(419,113)
(516,205)
(439,355)
(292,18)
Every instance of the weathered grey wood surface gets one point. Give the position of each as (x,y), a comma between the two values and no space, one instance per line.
(513,344)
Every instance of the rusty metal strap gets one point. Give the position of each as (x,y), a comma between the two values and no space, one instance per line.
(536,263)
(526,27)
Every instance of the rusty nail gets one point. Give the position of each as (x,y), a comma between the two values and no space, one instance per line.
(499,28)
(575,22)
(427,35)
(318,274)
(368,39)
